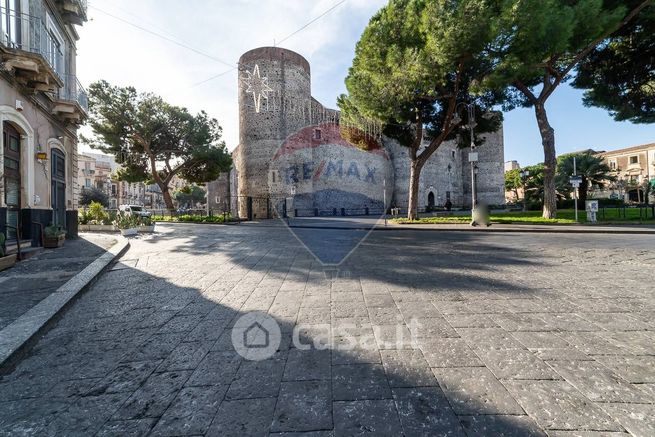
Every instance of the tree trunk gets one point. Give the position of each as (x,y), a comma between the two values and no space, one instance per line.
(414,176)
(550,161)
(168,200)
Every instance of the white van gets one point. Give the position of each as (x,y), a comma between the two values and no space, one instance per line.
(134,210)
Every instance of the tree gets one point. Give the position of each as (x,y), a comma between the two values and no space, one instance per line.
(513,182)
(93,194)
(589,166)
(415,63)
(534,184)
(189,195)
(153,140)
(620,76)
(538,46)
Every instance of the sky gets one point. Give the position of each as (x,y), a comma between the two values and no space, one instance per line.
(117,44)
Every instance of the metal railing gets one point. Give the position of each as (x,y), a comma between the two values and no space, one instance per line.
(29,33)
(74,91)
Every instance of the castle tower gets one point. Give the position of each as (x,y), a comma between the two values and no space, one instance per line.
(274,102)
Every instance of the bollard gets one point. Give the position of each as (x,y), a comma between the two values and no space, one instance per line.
(343,212)
(315,212)
(334,211)
(366,210)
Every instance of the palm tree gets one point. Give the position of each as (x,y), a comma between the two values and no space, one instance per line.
(589,166)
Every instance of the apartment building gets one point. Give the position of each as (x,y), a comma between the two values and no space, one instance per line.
(633,167)
(99,171)
(41,106)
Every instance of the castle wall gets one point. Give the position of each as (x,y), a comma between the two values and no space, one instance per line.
(263,120)
(291,148)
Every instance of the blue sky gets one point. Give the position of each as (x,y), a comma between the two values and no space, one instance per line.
(222,30)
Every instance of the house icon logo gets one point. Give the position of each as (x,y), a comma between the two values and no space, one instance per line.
(256,336)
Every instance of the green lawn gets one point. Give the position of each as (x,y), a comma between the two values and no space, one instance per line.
(566,216)
(189,218)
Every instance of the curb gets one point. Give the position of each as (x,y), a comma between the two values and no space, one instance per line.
(491,229)
(17,338)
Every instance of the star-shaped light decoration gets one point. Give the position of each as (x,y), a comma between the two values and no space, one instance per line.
(258,86)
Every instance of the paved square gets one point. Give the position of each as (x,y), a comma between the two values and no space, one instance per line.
(459,333)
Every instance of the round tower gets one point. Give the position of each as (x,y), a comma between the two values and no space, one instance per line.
(274,102)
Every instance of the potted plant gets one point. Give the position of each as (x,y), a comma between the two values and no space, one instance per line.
(96,219)
(127,224)
(146,224)
(53,237)
(6,261)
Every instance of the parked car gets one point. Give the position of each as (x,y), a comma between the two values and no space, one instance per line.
(136,210)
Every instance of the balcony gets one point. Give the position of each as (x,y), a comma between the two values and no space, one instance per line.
(71,102)
(30,52)
(73,11)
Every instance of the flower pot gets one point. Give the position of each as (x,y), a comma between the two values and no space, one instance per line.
(7,262)
(54,242)
(128,232)
(97,228)
(147,229)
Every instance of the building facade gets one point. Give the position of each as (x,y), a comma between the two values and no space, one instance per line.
(41,106)
(633,167)
(96,170)
(292,155)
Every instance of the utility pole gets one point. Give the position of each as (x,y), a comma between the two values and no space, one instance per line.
(473,157)
(575,173)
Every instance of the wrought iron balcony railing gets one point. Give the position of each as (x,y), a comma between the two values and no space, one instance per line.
(73,91)
(28,33)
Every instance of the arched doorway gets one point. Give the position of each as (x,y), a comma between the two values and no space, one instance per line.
(58,194)
(431,200)
(12,180)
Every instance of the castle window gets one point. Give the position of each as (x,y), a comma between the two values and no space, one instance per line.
(612,164)
(317,134)
(634,159)
(453,153)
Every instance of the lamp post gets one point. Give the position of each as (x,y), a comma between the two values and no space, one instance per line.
(473,155)
(525,174)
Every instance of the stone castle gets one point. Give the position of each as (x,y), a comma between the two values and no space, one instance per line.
(292,158)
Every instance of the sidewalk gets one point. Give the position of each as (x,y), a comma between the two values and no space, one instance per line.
(518,227)
(378,224)
(27,289)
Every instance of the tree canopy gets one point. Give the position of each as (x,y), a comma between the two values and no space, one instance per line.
(190,195)
(93,194)
(590,166)
(538,46)
(153,140)
(619,76)
(415,63)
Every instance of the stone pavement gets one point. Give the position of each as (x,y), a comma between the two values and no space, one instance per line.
(32,280)
(514,334)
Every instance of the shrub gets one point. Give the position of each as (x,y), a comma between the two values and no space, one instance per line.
(53,231)
(126,221)
(83,216)
(97,213)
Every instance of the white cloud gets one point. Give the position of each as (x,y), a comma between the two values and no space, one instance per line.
(121,54)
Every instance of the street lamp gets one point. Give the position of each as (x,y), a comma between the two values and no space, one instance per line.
(473,155)
(525,174)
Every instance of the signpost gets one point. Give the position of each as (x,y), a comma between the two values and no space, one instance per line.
(575,181)
(592,210)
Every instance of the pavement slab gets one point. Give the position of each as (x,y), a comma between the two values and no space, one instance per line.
(518,334)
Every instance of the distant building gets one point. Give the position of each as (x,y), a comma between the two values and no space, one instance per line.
(511,165)
(633,167)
